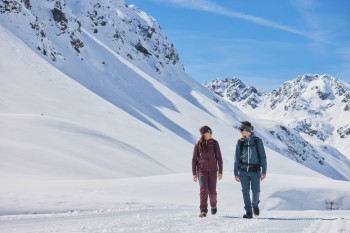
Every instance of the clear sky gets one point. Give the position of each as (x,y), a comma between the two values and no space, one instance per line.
(262,42)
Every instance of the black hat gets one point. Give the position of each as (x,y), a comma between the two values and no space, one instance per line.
(246,125)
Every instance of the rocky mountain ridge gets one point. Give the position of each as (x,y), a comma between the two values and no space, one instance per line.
(129,31)
(234,90)
(317,105)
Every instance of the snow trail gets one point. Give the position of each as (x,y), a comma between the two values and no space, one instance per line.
(138,217)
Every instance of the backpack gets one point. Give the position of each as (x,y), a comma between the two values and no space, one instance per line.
(199,154)
(256,139)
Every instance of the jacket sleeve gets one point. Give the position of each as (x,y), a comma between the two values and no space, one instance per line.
(194,160)
(219,157)
(237,159)
(263,159)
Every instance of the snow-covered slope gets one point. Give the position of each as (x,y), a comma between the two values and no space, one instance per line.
(120,135)
(32,92)
(55,129)
(59,113)
(81,39)
(169,203)
(119,52)
(317,105)
(313,112)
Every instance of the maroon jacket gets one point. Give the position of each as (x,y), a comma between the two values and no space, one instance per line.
(209,161)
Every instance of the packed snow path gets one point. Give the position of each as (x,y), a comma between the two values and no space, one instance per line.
(134,217)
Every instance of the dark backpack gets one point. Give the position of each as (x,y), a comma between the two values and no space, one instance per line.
(256,144)
(199,154)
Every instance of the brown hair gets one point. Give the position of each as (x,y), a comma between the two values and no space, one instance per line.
(202,144)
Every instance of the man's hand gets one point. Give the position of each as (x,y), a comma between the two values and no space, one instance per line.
(195,178)
(262,176)
(219,176)
(237,178)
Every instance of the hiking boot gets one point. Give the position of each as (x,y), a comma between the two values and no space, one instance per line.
(256,210)
(214,210)
(202,214)
(248,215)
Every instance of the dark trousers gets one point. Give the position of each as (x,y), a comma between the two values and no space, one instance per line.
(250,180)
(207,183)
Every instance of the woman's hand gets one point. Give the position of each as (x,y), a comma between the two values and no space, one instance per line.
(219,176)
(195,178)
(262,176)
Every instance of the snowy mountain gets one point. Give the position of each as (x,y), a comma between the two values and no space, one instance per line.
(71,34)
(234,90)
(79,38)
(322,98)
(315,105)
(152,104)
(127,29)
(88,130)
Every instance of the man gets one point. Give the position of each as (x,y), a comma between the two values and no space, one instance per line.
(250,167)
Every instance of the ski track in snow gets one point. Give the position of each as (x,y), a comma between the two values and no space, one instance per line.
(134,217)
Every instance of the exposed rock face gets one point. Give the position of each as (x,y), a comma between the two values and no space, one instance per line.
(130,31)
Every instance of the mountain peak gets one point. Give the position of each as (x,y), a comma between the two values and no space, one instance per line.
(315,104)
(310,88)
(234,90)
(57,30)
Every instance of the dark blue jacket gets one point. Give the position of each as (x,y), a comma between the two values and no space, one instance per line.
(249,155)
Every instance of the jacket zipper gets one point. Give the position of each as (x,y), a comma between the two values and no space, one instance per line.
(206,143)
(248,156)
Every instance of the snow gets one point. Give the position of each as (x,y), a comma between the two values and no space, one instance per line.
(314,104)
(110,154)
(155,204)
(135,217)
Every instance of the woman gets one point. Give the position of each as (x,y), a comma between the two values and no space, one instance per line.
(205,162)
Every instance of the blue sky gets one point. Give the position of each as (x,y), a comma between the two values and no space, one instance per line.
(262,42)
